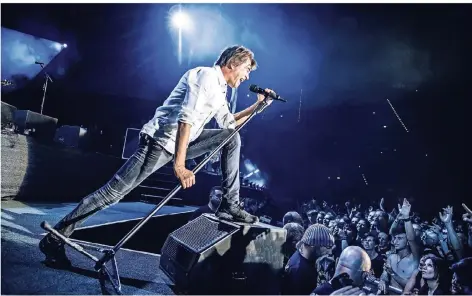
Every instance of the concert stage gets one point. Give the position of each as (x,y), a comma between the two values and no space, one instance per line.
(23,272)
(201,255)
(43,182)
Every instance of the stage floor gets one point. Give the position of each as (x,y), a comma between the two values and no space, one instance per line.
(23,273)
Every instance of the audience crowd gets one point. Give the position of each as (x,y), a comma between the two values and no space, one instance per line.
(353,250)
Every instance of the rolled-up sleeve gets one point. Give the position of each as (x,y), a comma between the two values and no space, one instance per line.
(199,84)
(225,118)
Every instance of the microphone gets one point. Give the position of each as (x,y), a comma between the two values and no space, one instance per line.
(258,90)
(39,63)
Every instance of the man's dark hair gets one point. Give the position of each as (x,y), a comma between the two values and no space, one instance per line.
(236,55)
(400,229)
(372,234)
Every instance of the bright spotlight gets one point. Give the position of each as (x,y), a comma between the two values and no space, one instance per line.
(64,45)
(181,20)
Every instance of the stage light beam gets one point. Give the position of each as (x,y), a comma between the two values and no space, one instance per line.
(182,22)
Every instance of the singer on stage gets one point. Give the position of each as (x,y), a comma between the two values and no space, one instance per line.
(176,133)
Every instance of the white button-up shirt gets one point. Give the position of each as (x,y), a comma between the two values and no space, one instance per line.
(199,96)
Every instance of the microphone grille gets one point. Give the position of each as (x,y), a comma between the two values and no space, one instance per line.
(253,87)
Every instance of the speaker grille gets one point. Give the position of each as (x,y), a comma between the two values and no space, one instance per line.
(203,233)
(185,245)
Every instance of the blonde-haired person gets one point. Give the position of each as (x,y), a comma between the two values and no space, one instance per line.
(176,132)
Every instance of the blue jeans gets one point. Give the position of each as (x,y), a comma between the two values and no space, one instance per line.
(148,158)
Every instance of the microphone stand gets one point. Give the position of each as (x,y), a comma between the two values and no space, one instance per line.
(112,276)
(45,86)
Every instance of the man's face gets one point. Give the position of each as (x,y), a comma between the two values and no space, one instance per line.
(456,288)
(332,225)
(400,241)
(341,223)
(310,252)
(240,73)
(312,217)
(378,215)
(326,219)
(368,243)
(320,218)
(371,217)
(362,226)
(416,219)
(354,220)
(459,287)
(383,239)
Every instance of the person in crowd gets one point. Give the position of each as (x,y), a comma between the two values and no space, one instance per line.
(216,193)
(300,274)
(402,264)
(325,267)
(312,216)
(436,276)
(461,283)
(369,244)
(292,217)
(452,238)
(354,262)
(327,218)
(294,235)
(416,281)
(363,227)
(385,247)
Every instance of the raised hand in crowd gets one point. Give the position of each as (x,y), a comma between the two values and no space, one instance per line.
(467,217)
(446,215)
(404,210)
(382,204)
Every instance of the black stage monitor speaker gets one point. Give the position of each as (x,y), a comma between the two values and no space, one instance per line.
(211,256)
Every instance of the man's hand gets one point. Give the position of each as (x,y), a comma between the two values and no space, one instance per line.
(388,268)
(404,209)
(382,287)
(261,97)
(446,215)
(467,218)
(186,177)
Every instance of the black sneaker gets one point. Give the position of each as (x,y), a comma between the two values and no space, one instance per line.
(234,212)
(55,253)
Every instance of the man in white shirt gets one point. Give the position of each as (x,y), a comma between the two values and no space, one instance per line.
(176,133)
